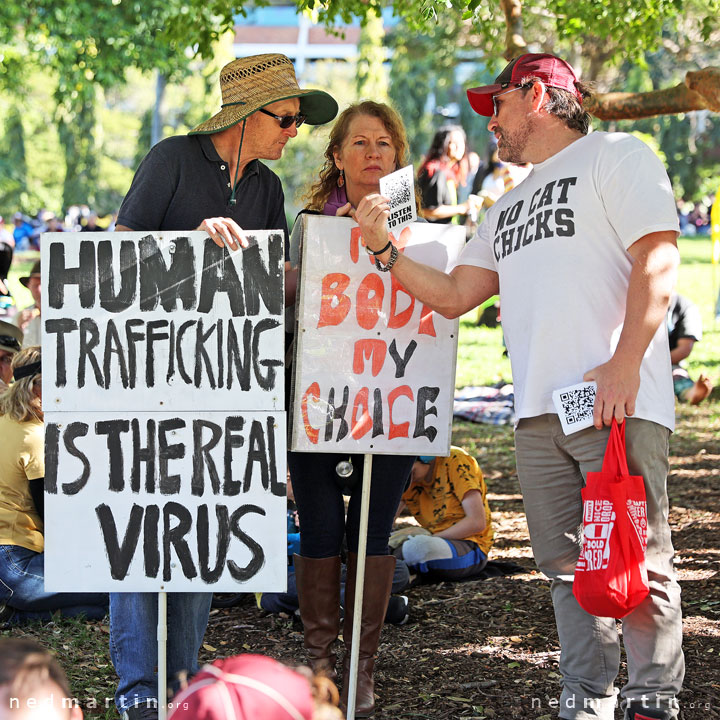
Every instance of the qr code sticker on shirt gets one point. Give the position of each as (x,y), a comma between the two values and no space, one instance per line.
(574,405)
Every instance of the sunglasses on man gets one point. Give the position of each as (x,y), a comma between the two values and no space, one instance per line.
(286,120)
(519,86)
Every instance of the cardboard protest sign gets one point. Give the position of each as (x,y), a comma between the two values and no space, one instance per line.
(374,369)
(164,425)
(163,320)
(165,501)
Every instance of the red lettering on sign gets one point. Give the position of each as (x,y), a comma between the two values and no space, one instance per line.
(427,326)
(369,301)
(333,288)
(399,319)
(360,425)
(400,429)
(403,240)
(312,393)
(356,241)
(366,349)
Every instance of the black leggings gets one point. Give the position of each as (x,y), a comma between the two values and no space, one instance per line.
(321,509)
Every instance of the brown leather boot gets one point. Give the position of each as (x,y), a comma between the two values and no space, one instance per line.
(379,570)
(318,586)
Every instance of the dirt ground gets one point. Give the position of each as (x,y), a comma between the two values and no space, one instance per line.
(489,648)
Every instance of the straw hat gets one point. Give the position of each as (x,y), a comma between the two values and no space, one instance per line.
(250,83)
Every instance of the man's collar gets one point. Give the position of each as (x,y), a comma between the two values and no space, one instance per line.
(211,154)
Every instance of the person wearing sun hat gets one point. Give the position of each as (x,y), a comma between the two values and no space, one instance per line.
(584,255)
(210,179)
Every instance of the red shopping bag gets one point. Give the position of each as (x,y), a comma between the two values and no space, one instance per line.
(610,575)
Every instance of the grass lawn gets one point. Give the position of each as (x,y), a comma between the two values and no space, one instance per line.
(695,450)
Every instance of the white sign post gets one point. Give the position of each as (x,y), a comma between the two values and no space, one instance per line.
(163,390)
(374,369)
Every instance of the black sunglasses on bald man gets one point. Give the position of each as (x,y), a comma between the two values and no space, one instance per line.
(286,120)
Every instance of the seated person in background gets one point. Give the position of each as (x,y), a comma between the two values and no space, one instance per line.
(11,339)
(684,330)
(22,479)
(255,687)
(447,496)
(33,686)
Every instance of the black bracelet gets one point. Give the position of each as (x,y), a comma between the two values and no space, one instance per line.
(393,259)
(379,252)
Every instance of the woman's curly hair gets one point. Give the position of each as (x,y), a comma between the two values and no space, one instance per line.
(320,191)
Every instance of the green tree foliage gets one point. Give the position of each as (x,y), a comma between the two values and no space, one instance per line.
(13,163)
(76,121)
(85,44)
(370,80)
(422,78)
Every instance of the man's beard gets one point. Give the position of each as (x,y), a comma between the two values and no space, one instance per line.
(512,147)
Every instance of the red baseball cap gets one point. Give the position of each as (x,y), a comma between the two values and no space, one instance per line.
(245,687)
(550,69)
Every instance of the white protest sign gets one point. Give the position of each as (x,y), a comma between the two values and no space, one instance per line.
(163,320)
(165,501)
(164,426)
(399,188)
(374,369)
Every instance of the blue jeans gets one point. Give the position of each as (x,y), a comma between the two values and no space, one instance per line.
(22,587)
(133,640)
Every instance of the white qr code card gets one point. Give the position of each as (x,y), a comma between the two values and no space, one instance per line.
(574,405)
(399,188)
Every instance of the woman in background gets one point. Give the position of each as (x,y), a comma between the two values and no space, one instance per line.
(441,174)
(367,142)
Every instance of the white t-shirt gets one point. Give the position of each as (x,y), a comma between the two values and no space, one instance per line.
(559,245)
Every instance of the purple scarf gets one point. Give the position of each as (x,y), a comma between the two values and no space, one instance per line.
(338,198)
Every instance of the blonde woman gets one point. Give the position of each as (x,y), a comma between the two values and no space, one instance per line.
(22,475)
(367,142)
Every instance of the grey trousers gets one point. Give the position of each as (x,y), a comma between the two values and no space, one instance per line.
(552,468)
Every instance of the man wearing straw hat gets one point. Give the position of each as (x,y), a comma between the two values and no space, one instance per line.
(211,180)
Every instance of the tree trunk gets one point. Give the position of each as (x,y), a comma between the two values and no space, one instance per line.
(700,91)
(514,41)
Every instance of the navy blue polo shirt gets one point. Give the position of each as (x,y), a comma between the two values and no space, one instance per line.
(182,181)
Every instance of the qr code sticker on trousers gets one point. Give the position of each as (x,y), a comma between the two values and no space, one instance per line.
(574,405)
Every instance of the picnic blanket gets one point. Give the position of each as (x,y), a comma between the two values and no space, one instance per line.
(486,404)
